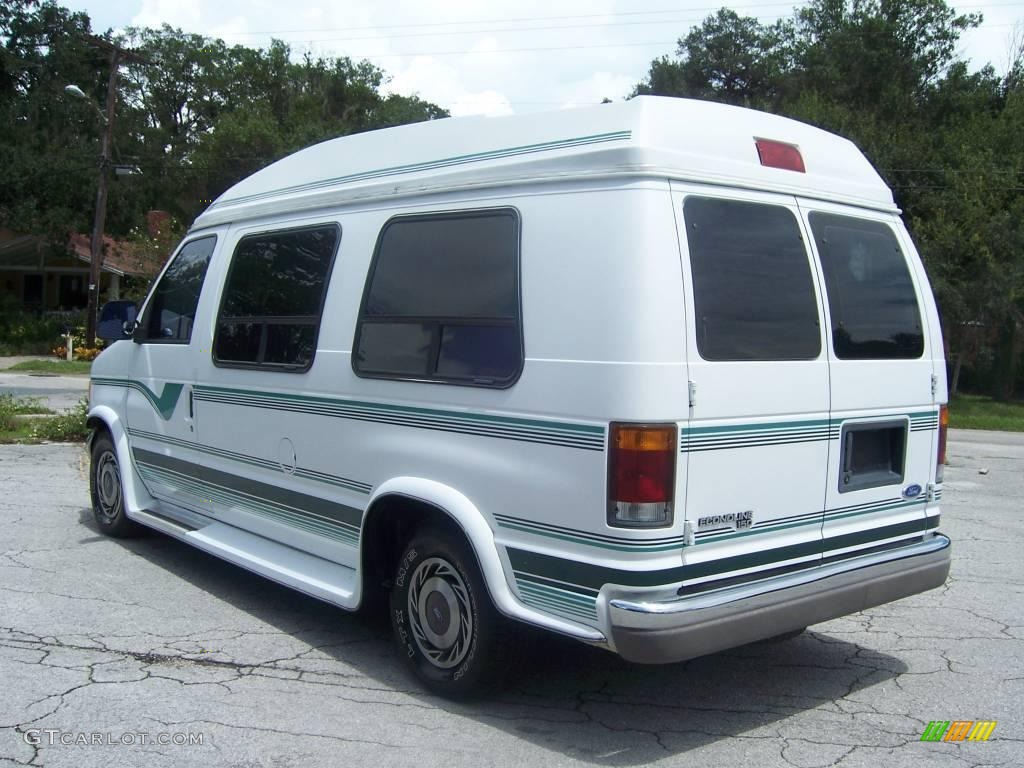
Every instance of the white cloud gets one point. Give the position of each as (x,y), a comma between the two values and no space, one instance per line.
(471,57)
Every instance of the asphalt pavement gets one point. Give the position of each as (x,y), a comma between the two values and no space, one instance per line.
(56,392)
(109,648)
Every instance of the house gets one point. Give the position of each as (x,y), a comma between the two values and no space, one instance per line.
(39,274)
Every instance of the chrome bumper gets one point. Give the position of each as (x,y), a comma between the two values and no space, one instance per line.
(684,628)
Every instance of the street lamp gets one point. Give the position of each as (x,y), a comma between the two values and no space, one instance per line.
(100,215)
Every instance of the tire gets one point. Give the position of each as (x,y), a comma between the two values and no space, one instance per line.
(446,627)
(107,491)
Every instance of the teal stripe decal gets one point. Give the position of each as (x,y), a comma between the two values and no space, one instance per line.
(300,510)
(666,544)
(446,162)
(595,576)
(567,434)
(556,600)
(307,474)
(164,403)
(722,437)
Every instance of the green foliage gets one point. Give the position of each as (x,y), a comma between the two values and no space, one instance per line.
(197,118)
(948,141)
(25,420)
(13,410)
(66,427)
(60,367)
(26,333)
(976,412)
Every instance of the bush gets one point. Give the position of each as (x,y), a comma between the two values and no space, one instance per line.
(66,427)
(87,354)
(28,333)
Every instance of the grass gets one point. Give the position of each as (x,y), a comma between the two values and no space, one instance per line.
(978,412)
(63,367)
(26,420)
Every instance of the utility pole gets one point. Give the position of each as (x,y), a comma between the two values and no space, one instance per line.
(117,55)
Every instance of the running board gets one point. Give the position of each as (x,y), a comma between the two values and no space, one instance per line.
(312,575)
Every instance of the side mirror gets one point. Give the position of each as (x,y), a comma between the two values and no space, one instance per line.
(117,320)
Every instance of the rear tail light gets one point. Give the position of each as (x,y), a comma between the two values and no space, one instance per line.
(940,457)
(641,475)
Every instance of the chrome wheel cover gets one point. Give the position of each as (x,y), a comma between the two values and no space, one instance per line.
(108,486)
(440,613)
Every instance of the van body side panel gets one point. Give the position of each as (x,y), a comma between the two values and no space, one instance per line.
(940,394)
(883,414)
(610,283)
(757,441)
(159,403)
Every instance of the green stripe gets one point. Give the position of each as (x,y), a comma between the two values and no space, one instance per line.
(307,474)
(432,164)
(557,608)
(573,598)
(164,403)
(640,546)
(596,576)
(294,505)
(209,494)
(583,429)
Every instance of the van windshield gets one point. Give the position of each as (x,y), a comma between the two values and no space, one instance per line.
(871,296)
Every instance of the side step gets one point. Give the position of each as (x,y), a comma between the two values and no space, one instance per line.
(312,575)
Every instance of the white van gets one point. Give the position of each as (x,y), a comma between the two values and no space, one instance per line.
(663,376)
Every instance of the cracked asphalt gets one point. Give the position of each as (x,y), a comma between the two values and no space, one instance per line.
(149,638)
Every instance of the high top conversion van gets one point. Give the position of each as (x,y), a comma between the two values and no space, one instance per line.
(663,376)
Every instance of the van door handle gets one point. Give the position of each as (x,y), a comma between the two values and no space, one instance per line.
(191,405)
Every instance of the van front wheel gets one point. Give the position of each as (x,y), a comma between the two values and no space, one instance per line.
(106,490)
(445,625)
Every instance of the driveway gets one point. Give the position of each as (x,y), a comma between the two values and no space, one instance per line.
(108,647)
(56,392)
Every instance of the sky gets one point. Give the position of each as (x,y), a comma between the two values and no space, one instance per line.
(492,58)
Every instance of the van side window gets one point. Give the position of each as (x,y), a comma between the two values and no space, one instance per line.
(442,301)
(273,298)
(870,292)
(172,308)
(752,284)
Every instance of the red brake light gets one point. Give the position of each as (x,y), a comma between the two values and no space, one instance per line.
(641,474)
(940,456)
(777,154)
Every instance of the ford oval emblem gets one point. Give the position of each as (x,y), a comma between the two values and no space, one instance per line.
(912,491)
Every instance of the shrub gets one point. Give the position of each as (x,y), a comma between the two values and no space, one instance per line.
(65,427)
(32,333)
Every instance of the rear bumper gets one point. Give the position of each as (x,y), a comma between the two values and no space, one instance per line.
(657,632)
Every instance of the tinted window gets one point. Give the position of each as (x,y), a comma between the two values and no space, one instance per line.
(172,307)
(753,290)
(871,296)
(442,301)
(273,298)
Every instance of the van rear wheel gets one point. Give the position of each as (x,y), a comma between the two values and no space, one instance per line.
(445,625)
(107,491)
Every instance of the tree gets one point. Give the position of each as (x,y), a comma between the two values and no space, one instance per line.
(949,141)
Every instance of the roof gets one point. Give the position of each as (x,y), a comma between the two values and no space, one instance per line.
(646,136)
(31,253)
(119,257)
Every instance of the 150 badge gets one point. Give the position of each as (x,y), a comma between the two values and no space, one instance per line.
(736,520)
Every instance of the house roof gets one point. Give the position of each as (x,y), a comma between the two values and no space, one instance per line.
(31,252)
(646,136)
(119,257)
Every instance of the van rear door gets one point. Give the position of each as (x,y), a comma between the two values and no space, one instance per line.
(757,441)
(883,414)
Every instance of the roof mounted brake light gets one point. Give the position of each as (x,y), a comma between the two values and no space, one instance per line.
(777,154)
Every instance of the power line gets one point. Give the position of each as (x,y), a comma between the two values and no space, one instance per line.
(665,11)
